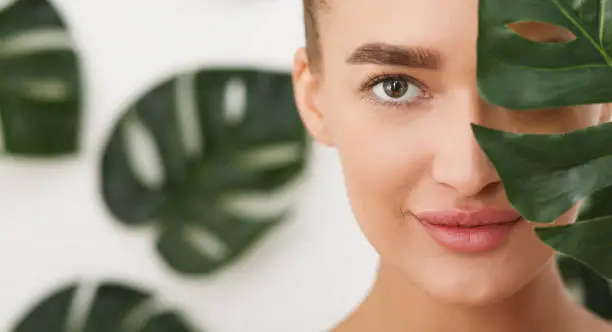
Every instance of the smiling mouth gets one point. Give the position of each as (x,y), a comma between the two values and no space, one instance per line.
(470,231)
(481,225)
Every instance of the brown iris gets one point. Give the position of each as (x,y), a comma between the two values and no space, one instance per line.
(395,88)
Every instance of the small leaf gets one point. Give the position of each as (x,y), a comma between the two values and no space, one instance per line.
(213,149)
(40,88)
(110,311)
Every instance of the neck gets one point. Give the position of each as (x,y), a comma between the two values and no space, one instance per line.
(543,305)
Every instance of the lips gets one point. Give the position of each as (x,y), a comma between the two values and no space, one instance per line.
(470,230)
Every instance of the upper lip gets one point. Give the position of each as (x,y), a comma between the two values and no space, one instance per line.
(468,218)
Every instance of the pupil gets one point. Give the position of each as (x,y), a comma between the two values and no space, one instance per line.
(395,88)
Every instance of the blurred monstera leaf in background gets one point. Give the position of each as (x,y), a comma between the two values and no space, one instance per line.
(593,291)
(109,308)
(40,89)
(546,174)
(211,158)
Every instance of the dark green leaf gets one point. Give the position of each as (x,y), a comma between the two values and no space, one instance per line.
(570,268)
(206,156)
(586,241)
(596,293)
(114,308)
(521,74)
(545,175)
(49,316)
(165,322)
(40,89)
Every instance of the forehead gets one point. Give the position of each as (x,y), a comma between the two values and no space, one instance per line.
(440,24)
(448,27)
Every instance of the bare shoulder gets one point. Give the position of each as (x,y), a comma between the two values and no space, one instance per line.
(348,325)
(357,321)
(340,328)
(599,325)
(606,327)
(584,320)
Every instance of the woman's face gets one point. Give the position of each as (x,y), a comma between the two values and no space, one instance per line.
(396,95)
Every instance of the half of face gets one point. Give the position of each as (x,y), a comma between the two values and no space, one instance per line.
(396,95)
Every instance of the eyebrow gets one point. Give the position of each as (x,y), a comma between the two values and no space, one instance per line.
(395,55)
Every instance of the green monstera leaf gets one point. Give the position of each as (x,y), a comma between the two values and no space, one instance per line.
(519,73)
(112,308)
(229,147)
(596,291)
(593,291)
(40,89)
(545,175)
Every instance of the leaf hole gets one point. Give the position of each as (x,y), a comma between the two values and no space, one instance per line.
(36,41)
(542,32)
(187,113)
(271,156)
(575,290)
(47,90)
(261,206)
(81,305)
(138,317)
(142,152)
(206,243)
(234,100)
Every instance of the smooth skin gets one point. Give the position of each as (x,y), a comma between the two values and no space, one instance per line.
(400,122)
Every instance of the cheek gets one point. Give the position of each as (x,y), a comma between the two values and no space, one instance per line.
(377,177)
(555,120)
(382,156)
(587,115)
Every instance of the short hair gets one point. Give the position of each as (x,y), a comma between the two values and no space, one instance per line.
(313,50)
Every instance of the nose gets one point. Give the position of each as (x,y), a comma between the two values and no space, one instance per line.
(459,162)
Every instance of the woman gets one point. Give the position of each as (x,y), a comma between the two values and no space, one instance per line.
(391,84)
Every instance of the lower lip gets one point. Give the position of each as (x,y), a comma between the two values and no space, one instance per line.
(472,239)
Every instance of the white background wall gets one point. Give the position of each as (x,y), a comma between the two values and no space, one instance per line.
(54,228)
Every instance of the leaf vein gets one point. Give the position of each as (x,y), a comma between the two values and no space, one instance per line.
(584,32)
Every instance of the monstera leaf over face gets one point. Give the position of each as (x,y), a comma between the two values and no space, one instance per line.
(214,152)
(113,308)
(545,175)
(519,73)
(40,97)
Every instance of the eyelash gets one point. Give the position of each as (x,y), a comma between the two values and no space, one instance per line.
(375,79)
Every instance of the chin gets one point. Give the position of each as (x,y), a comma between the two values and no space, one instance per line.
(482,291)
(475,279)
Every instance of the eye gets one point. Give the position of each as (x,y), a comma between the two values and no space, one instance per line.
(396,90)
